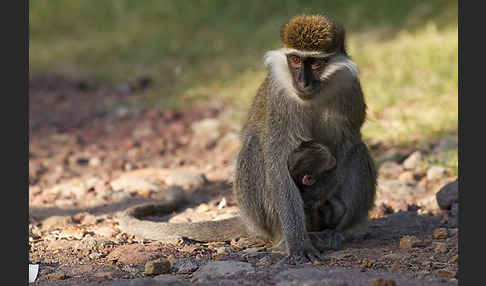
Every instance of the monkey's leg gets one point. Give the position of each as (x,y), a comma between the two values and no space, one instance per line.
(327,239)
(248,187)
(330,214)
(357,187)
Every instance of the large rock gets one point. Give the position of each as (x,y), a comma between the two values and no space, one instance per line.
(230,142)
(167,280)
(314,282)
(173,193)
(448,195)
(395,189)
(74,188)
(223,269)
(453,219)
(135,185)
(435,173)
(206,132)
(407,177)
(157,266)
(413,161)
(164,279)
(390,169)
(326,276)
(134,254)
(185,265)
(186,179)
(390,155)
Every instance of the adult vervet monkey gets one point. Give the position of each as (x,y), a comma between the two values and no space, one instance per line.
(312,92)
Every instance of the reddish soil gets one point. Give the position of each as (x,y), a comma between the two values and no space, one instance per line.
(82,138)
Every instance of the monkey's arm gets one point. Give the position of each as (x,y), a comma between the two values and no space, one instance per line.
(287,200)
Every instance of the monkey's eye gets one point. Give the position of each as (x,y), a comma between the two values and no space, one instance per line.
(319,63)
(295,61)
(316,65)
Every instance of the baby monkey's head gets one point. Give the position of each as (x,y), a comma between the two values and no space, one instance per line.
(310,161)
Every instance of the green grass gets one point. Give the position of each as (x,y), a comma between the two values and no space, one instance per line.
(410,82)
(448,159)
(198,51)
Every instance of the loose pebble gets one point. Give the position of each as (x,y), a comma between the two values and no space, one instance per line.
(441,233)
(158,266)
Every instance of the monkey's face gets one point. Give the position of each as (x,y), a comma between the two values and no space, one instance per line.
(306,72)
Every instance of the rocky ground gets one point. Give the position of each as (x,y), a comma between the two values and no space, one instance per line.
(90,158)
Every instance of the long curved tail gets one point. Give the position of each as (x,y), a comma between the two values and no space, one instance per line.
(131,222)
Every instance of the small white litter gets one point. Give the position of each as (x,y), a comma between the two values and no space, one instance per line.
(222,204)
(33,270)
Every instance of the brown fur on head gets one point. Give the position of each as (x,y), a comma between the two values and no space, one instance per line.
(313,33)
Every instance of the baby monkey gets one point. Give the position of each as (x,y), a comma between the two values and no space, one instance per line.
(308,163)
(311,166)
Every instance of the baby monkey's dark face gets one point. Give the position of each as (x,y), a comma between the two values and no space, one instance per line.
(310,161)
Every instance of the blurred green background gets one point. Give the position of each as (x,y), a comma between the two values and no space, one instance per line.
(200,51)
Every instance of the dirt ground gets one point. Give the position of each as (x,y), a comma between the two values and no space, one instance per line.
(90,158)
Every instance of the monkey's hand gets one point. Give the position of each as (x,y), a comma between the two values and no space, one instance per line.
(327,239)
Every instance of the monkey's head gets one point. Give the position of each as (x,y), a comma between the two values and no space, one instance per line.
(314,48)
(310,161)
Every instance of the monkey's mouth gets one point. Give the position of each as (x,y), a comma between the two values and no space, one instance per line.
(305,96)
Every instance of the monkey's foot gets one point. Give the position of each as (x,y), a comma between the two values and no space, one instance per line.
(278,246)
(327,239)
(306,253)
